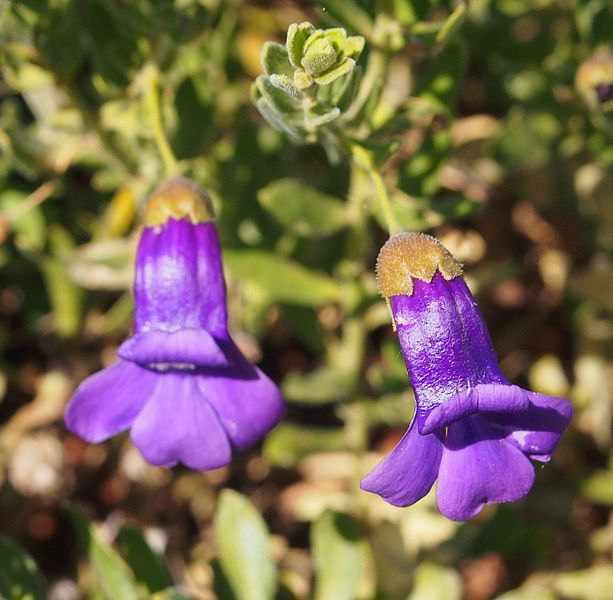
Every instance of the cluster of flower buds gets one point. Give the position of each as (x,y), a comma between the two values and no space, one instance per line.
(308,82)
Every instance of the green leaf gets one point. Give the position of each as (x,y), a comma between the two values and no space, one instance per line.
(276,121)
(281,279)
(245,555)
(281,101)
(65,296)
(20,578)
(435,582)
(418,214)
(149,568)
(303,210)
(319,116)
(30,227)
(341,555)
(333,74)
(113,577)
(441,86)
(594,583)
(452,25)
(421,174)
(288,443)
(324,385)
(297,35)
(285,84)
(275,60)
(171,593)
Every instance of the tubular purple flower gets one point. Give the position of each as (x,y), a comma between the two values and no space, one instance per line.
(182,385)
(472,429)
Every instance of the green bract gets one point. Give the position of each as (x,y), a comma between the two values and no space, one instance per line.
(308,82)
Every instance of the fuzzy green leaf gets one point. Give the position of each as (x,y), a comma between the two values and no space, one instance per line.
(301,209)
(245,555)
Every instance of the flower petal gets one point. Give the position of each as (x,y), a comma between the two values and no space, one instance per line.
(407,473)
(483,398)
(537,430)
(248,403)
(108,402)
(179,425)
(185,346)
(479,467)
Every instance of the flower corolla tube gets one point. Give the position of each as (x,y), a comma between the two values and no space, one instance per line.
(472,430)
(181,385)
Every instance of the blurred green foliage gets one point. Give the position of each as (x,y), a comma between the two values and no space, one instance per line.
(486,123)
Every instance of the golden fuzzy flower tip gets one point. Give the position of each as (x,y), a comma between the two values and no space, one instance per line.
(178,198)
(594,71)
(407,256)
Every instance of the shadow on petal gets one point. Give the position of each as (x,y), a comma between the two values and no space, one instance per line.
(536,431)
(479,467)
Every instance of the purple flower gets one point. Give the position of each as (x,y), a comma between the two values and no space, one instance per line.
(472,429)
(182,385)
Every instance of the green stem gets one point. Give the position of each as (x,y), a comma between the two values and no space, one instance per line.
(155,116)
(363,159)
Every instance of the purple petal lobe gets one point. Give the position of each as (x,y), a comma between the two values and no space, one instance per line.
(407,473)
(179,425)
(483,398)
(248,403)
(185,346)
(536,431)
(479,467)
(108,402)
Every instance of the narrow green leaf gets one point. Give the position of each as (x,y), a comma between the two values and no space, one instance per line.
(282,102)
(30,227)
(435,582)
(316,118)
(451,26)
(113,577)
(441,86)
(301,209)
(245,555)
(333,74)
(282,279)
(341,556)
(20,578)
(418,214)
(276,121)
(171,593)
(149,567)
(321,386)
(285,84)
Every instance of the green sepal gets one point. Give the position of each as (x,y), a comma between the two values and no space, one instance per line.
(274,60)
(297,35)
